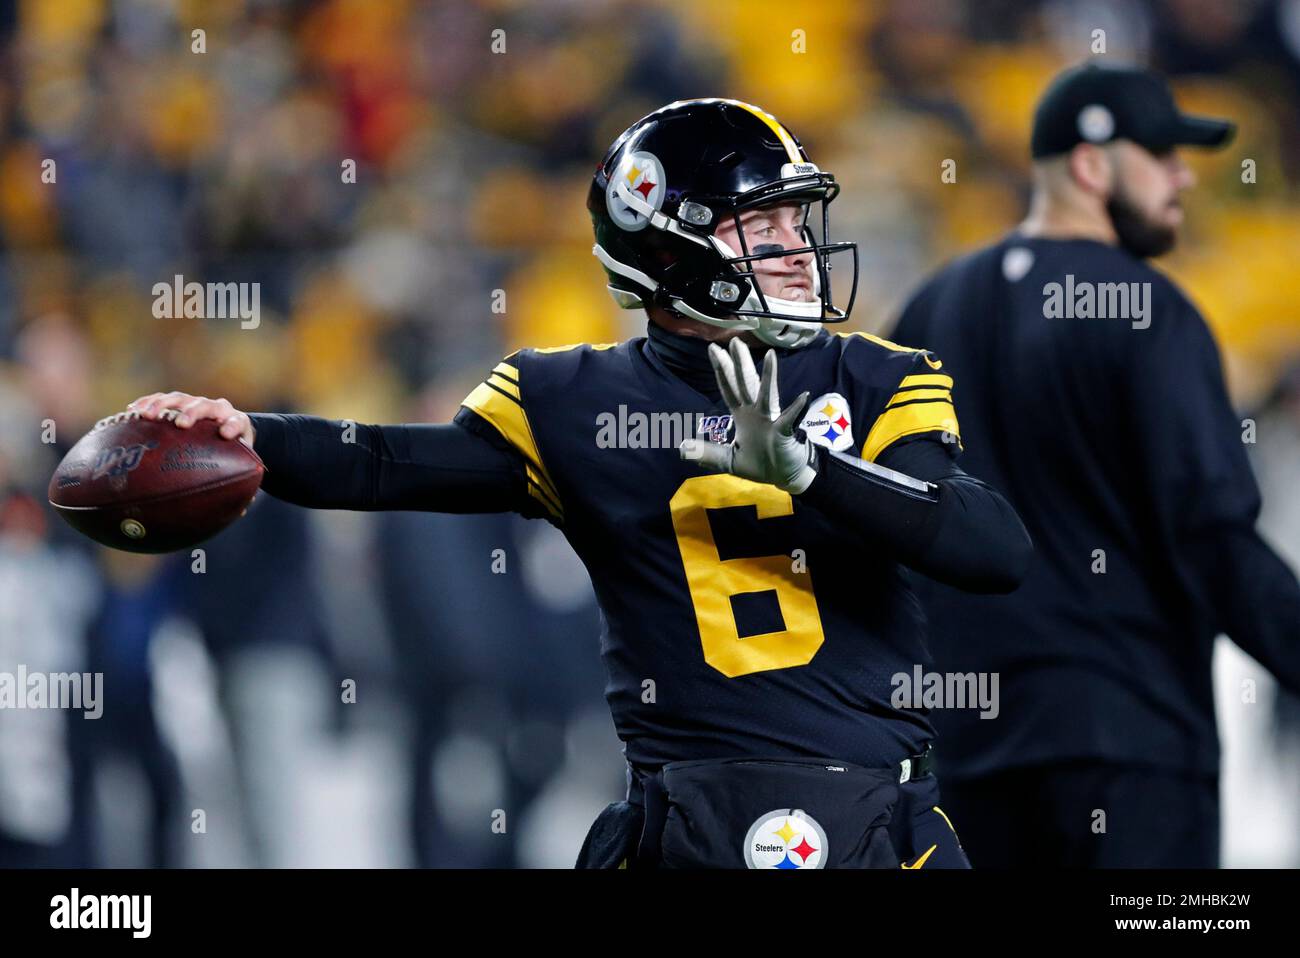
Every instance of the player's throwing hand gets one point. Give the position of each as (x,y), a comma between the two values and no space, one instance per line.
(190,409)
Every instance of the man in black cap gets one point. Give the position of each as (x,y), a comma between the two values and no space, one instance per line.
(1093,397)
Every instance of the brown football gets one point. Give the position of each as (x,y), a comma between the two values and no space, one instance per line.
(147,486)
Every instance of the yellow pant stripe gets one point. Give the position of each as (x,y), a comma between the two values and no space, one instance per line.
(945,818)
(920,861)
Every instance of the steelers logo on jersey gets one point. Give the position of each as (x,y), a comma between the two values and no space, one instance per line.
(826,421)
(785,838)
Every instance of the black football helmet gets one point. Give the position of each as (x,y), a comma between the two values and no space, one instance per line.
(666,184)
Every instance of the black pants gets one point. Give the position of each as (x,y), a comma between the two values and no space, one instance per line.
(923,833)
(1087,815)
(920,832)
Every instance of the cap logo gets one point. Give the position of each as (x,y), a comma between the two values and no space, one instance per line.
(639,177)
(1096,123)
(1016,263)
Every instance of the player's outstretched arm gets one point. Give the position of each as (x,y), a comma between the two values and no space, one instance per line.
(326,464)
(936,519)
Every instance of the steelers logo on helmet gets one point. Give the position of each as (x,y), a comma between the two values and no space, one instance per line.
(636,189)
(1096,123)
(786,838)
(827,422)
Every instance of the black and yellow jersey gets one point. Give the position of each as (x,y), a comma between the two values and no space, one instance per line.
(737,620)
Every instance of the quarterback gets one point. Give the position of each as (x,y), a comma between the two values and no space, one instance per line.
(755,580)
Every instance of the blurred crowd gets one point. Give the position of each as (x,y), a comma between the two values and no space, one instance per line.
(406,182)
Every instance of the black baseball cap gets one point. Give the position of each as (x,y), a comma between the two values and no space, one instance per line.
(1096,103)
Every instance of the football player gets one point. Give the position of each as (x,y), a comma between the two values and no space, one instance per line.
(753,564)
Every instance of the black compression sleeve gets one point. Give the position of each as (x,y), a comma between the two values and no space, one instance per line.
(435,468)
(935,518)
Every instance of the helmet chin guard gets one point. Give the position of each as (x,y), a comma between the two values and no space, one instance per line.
(787,335)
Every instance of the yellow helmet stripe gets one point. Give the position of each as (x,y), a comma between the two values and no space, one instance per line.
(791,148)
(782,134)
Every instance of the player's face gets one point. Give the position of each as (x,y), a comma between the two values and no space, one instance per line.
(1145,204)
(767,229)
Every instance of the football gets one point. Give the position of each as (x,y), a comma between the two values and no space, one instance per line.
(147,486)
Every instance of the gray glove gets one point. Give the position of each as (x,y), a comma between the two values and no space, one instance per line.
(764,448)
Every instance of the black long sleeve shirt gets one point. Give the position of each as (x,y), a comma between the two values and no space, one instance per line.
(1115,441)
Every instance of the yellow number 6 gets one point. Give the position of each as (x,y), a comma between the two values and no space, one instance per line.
(713,580)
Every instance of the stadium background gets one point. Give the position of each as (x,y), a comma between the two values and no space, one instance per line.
(476,691)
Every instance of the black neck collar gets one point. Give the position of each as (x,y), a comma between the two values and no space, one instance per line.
(686,356)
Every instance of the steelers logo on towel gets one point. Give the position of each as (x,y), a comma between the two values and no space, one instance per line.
(785,838)
(826,421)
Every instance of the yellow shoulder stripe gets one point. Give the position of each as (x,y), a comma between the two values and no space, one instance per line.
(925,354)
(504,384)
(946,819)
(938,379)
(881,342)
(912,395)
(497,401)
(564,349)
(896,422)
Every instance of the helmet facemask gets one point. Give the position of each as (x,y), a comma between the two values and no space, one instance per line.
(787,322)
